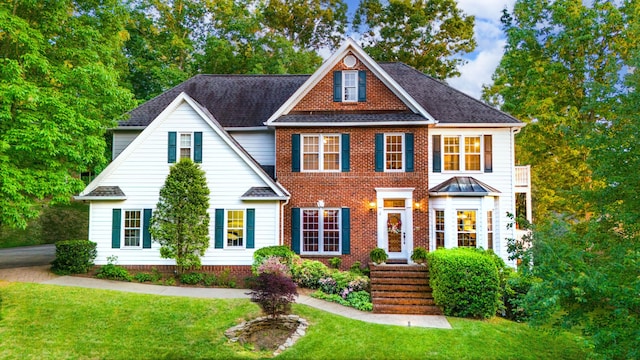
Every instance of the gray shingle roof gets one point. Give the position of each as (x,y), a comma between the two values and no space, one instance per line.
(351,118)
(259,192)
(463,186)
(249,100)
(106,191)
(233,100)
(444,103)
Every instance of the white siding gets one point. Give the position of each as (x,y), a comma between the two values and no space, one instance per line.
(259,144)
(142,173)
(122,139)
(502,179)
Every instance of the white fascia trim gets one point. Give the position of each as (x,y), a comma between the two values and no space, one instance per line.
(272,198)
(353,124)
(248,128)
(349,45)
(479,125)
(98,198)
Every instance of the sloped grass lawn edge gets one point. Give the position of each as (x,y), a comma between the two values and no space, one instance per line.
(52,322)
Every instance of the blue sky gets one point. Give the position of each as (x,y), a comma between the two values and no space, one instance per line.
(490,38)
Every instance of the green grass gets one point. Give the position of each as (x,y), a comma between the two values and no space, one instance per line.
(51,322)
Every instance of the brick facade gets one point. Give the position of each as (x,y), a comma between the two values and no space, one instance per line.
(320,98)
(356,188)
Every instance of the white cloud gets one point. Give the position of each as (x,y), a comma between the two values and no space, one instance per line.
(485,9)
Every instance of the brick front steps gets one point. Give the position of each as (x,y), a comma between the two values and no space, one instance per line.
(402,289)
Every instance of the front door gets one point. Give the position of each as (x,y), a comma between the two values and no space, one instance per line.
(395,233)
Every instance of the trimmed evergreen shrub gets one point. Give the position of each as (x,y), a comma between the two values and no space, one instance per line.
(307,273)
(281,251)
(465,282)
(74,257)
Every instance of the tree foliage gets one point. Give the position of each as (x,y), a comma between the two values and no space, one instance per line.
(59,90)
(568,70)
(426,34)
(561,73)
(180,222)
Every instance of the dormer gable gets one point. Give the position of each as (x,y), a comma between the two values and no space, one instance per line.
(348,82)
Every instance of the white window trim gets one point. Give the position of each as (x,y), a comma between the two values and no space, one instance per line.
(320,232)
(344,85)
(462,153)
(124,228)
(180,147)
(226,229)
(404,150)
(435,229)
(320,152)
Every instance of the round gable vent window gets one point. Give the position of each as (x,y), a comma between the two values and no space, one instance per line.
(349,61)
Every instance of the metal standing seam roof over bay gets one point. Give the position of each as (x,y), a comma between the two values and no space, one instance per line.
(463,186)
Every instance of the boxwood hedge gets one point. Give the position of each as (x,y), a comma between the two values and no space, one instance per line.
(74,257)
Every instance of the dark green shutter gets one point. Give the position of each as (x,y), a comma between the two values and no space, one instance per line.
(295,152)
(251,228)
(345,152)
(197,150)
(337,86)
(409,152)
(437,155)
(379,152)
(488,154)
(346,231)
(295,230)
(116,221)
(219,229)
(362,86)
(146,235)
(172,147)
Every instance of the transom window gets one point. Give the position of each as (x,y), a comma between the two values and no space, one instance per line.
(235,228)
(394,152)
(467,148)
(467,228)
(439,229)
(321,231)
(321,152)
(132,228)
(350,85)
(185,146)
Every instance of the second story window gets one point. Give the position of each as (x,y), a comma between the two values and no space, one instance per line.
(463,153)
(321,152)
(472,153)
(394,152)
(185,146)
(452,153)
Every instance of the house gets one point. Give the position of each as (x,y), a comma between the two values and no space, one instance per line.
(357,155)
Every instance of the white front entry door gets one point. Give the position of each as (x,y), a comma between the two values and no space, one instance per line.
(395,234)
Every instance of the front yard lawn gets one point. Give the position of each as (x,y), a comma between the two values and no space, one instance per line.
(53,322)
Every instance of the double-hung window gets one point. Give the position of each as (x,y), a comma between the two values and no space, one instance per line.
(394,152)
(439,229)
(186,145)
(466,228)
(321,152)
(320,231)
(350,85)
(235,229)
(132,228)
(462,153)
(490,230)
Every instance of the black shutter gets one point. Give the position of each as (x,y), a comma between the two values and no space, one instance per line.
(116,221)
(409,152)
(295,152)
(346,231)
(379,152)
(295,230)
(345,152)
(437,155)
(172,147)
(488,154)
(337,86)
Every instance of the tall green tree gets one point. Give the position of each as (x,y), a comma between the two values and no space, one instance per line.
(59,90)
(180,222)
(560,72)
(308,24)
(429,35)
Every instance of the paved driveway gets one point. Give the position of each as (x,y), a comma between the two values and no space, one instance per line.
(27,256)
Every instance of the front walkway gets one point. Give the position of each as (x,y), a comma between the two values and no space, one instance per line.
(41,274)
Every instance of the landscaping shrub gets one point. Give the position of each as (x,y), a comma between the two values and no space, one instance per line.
(112,271)
(517,287)
(74,257)
(191,278)
(465,282)
(143,277)
(307,273)
(360,300)
(335,262)
(281,251)
(274,293)
(272,265)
